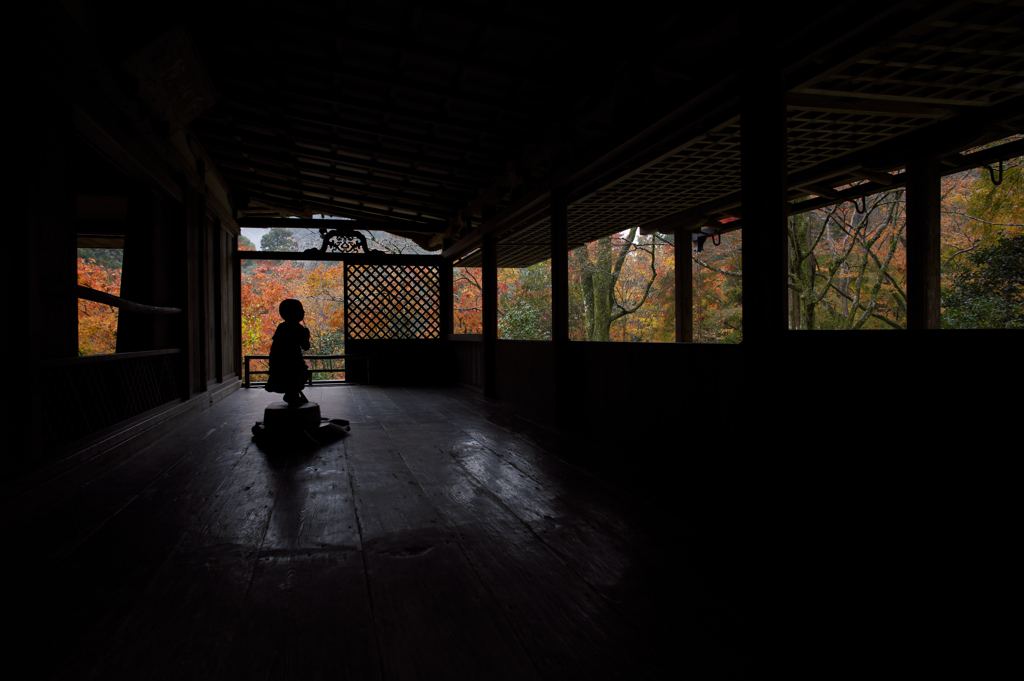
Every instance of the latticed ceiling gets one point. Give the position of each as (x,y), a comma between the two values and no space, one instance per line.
(936,70)
(435,117)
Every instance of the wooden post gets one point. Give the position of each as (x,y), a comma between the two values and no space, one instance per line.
(684,287)
(236,276)
(218,273)
(135,331)
(43,270)
(195,310)
(446,305)
(447,300)
(560,303)
(765,247)
(490,313)
(924,233)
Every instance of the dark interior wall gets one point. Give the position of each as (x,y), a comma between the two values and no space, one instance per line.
(610,381)
(51,227)
(616,380)
(153,272)
(467,357)
(400,362)
(525,373)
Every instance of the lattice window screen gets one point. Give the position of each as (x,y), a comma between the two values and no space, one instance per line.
(392,301)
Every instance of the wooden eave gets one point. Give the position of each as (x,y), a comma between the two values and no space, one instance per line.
(460,120)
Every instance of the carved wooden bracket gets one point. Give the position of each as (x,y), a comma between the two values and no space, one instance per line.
(342,241)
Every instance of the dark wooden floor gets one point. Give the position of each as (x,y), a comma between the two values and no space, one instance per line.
(446,537)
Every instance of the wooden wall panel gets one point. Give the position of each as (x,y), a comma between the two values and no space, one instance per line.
(400,362)
(468,363)
(525,373)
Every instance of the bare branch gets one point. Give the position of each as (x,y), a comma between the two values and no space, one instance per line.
(715,269)
(997,224)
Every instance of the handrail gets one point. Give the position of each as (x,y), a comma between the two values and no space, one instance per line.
(249,372)
(116,357)
(126,305)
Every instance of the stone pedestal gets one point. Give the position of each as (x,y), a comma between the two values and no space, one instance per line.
(281,417)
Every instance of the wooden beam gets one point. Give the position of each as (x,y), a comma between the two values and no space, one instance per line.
(808,102)
(287,165)
(906,99)
(358,194)
(285,142)
(884,179)
(924,233)
(822,190)
(313,223)
(355,258)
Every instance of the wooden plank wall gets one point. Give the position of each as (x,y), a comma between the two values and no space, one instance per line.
(401,362)
(525,373)
(467,358)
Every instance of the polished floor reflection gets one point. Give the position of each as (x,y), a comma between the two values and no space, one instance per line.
(447,537)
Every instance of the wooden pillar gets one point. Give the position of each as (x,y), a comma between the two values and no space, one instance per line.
(765,210)
(446,310)
(684,287)
(219,272)
(560,303)
(195,307)
(236,275)
(924,233)
(42,307)
(490,313)
(447,300)
(135,331)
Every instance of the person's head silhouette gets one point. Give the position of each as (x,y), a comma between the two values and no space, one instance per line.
(291,310)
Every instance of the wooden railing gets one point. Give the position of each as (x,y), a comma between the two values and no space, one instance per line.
(313,359)
(85,395)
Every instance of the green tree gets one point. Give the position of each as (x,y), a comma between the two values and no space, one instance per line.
(524,302)
(108,258)
(279,239)
(600,266)
(989,295)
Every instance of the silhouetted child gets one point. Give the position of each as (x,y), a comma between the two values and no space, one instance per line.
(288,371)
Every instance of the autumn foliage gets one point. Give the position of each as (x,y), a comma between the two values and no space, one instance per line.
(847,271)
(97,323)
(320,287)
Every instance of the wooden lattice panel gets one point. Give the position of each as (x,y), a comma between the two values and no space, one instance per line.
(392,302)
(84,398)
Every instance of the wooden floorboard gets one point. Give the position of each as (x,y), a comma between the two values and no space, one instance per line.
(446,537)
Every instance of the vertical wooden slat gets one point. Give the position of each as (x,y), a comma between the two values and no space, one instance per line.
(447,300)
(236,279)
(135,331)
(560,301)
(763,168)
(196,310)
(490,313)
(924,233)
(218,272)
(684,287)
(43,268)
